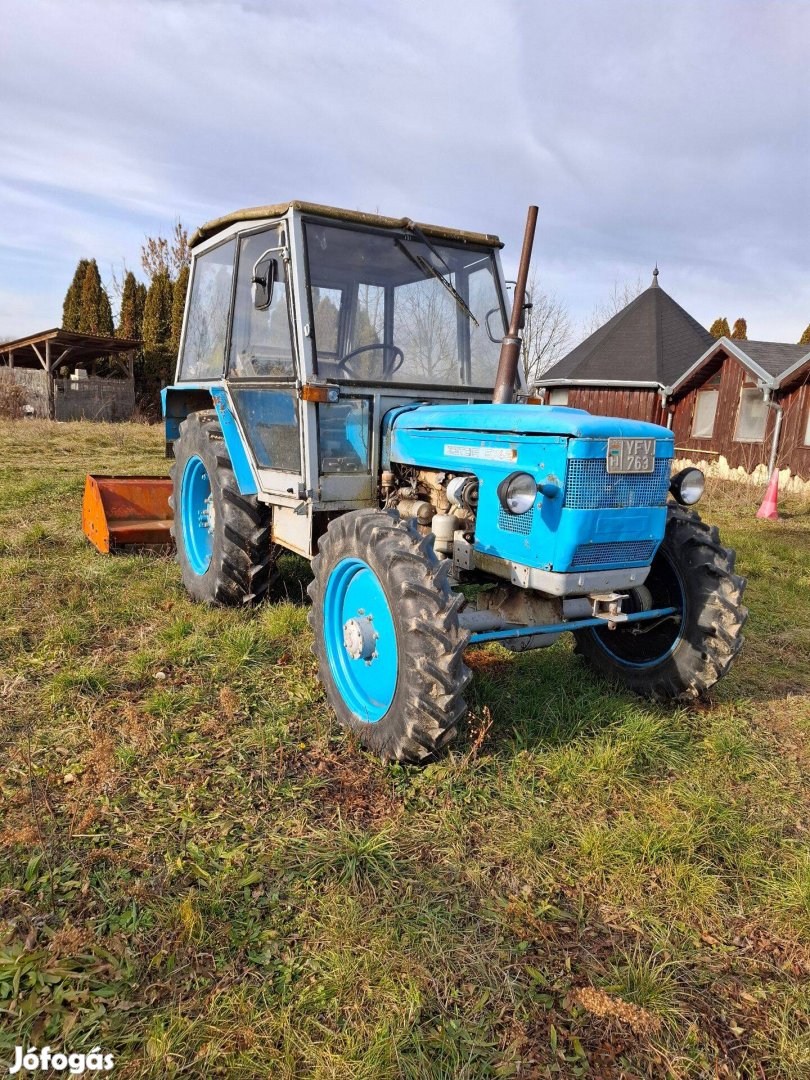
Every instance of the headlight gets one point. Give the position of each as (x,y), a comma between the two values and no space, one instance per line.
(686,487)
(517,492)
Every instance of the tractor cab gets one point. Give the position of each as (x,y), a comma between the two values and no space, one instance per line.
(307,325)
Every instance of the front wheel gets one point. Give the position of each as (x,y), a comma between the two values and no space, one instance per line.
(387,638)
(679,656)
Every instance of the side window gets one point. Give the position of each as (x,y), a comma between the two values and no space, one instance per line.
(207,319)
(261,339)
(752,416)
(705,413)
(558,396)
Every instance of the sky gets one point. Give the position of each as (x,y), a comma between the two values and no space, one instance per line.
(675,132)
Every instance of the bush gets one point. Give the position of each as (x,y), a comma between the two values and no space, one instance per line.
(12,398)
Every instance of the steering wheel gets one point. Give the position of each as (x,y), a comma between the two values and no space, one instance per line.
(398,358)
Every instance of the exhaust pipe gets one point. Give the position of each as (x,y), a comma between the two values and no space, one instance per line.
(510,346)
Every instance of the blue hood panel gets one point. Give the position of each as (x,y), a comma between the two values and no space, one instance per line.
(525,420)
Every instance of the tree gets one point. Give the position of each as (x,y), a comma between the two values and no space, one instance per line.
(720,328)
(805,338)
(157,312)
(160,254)
(95,313)
(71,308)
(740,330)
(133,296)
(179,290)
(157,363)
(620,297)
(546,332)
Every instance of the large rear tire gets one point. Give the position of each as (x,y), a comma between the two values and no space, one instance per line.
(223,537)
(681,656)
(387,638)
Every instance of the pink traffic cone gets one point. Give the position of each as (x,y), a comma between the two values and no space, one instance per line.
(768,509)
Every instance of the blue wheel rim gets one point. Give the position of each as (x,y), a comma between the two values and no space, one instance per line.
(197,515)
(367,684)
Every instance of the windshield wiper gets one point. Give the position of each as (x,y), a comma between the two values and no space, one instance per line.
(422,264)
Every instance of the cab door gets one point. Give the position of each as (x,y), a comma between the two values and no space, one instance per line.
(262,363)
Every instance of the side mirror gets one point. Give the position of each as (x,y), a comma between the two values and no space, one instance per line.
(262,280)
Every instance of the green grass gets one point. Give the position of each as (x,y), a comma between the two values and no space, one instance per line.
(202,874)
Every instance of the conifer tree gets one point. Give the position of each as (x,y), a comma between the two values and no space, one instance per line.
(105,318)
(90,311)
(180,289)
(140,304)
(720,328)
(127,321)
(71,307)
(740,330)
(158,359)
(157,312)
(805,338)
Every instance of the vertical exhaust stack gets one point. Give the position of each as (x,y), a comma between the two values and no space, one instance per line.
(510,346)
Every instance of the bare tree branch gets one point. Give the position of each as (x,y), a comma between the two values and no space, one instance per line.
(546,333)
(620,297)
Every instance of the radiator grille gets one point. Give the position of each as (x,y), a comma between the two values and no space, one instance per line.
(623,552)
(589,486)
(516,523)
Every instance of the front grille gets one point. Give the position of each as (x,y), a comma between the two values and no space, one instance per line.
(516,523)
(622,552)
(589,486)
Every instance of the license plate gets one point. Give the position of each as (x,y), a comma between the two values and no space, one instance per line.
(631,455)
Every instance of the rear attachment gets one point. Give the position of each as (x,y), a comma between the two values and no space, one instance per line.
(127,510)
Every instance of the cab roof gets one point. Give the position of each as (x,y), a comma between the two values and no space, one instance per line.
(357,217)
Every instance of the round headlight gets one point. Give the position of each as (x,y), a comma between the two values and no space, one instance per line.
(517,492)
(687,486)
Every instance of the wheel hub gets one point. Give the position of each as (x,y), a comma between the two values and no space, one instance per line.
(360,637)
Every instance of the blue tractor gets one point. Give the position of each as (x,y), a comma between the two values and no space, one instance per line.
(334,397)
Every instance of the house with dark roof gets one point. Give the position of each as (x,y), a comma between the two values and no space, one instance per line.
(745,401)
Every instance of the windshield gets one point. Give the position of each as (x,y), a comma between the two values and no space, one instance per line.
(382,309)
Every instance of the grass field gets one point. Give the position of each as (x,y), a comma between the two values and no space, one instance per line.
(200,873)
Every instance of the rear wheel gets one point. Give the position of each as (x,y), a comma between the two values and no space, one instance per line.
(223,537)
(678,656)
(387,638)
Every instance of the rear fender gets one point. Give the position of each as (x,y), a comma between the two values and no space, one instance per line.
(179,401)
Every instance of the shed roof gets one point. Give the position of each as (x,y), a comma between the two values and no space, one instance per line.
(775,357)
(69,347)
(775,363)
(651,341)
(256,213)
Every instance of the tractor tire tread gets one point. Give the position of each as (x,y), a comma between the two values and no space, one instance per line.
(428,702)
(243,563)
(713,636)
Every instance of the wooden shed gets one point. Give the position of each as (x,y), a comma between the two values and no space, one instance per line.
(745,401)
(70,376)
(748,401)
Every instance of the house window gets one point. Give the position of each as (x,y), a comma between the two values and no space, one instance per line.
(752,416)
(705,412)
(807,426)
(558,396)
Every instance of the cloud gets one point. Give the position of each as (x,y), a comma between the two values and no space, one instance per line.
(670,132)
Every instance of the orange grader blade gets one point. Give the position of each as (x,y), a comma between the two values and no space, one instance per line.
(127,510)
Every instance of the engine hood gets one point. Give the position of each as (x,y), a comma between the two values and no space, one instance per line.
(526,420)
